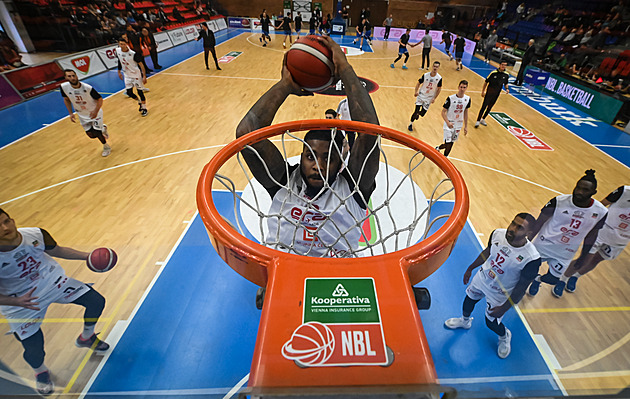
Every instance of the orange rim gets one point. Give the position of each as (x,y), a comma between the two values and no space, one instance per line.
(221,231)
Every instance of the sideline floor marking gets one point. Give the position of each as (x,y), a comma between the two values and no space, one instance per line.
(598,356)
(569,310)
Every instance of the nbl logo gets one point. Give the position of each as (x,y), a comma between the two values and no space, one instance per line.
(311,344)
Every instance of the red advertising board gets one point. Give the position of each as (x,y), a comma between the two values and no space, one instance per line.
(35,80)
(8,95)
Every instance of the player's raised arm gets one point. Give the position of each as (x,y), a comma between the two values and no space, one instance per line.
(545,213)
(361,109)
(261,115)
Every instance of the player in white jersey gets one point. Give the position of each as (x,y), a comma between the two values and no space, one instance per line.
(299,224)
(130,64)
(563,224)
(508,265)
(611,240)
(30,281)
(427,90)
(455,115)
(88,103)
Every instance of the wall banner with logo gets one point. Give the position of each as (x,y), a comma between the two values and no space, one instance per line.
(8,95)
(84,64)
(108,56)
(163,41)
(220,23)
(177,36)
(191,32)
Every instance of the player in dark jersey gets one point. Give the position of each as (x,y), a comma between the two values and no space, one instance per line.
(298,24)
(495,82)
(264,24)
(460,44)
(402,49)
(447,40)
(286,27)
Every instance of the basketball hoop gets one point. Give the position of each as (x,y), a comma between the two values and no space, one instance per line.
(400,348)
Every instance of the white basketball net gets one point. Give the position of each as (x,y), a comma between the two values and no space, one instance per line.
(399,218)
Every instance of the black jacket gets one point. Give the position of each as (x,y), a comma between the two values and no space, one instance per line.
(208,38)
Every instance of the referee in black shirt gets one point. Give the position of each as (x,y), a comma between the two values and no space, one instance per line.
(494,83)
(209,41)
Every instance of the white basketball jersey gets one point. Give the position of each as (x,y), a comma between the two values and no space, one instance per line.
(502,270)
(455,112)
(616,230)
(81,99)
(129,67)
(329,227)
(563,233)
(429,86)
(343,110)
(28,266)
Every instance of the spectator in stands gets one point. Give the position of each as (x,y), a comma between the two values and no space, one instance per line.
(520,11)
(527,59)
(600,39)
(570,38)
(561,62)
(586,39)
(491,43)
(129,7)
(130,19)
(148,40)
(120,20)
(10,52)
(153,17)
(162,16)
(563,32)
(178,15)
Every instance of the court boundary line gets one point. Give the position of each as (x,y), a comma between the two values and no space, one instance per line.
(599,355)
(120,91)
(96,372)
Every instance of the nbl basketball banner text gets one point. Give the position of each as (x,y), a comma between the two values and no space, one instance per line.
(341,325)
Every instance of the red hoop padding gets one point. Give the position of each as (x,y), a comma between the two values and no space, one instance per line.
(251,259)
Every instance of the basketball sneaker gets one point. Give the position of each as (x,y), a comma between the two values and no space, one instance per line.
(106,150)
(146,89)
(571,284)
(476,124)
(392,65)
(410,127)
(92,343)
(458,322)
(405,67)
(533,288)
(44,384)
(483,122)
(260,39)
(505,344)
(144,112)
(558,289)
(457,69)
(105,134)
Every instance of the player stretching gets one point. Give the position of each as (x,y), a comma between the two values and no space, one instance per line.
(455,115)
(88,104)
(563,224)
(334,200)
(508,265)
(130,64)
(30,281)
(611,240)
(427,93)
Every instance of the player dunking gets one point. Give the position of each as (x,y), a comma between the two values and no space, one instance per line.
(495,82)
(130,64)
(88,103)
(508,265)
(563,224)
(613,237)
(316,183)
(30,281)
(455,115)
(427,90)
(343,113)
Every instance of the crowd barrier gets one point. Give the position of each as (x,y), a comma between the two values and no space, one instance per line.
(24,83)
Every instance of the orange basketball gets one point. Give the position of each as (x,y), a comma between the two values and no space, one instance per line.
(101,260)
(310,63)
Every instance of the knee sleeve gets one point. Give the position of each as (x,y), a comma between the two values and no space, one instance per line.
(141,94)
(131,94)
(495,326)
(96,134)
(469,305)
(94,303)
(33,349)
(423,111)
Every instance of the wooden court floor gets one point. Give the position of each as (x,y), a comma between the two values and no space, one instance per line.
(137,199)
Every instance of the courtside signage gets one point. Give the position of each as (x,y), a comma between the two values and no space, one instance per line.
(229,57)
(84,64)
(523,135)
(341,325)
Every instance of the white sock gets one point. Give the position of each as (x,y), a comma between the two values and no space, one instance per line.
(88,331)
(465,318)
(576,275)
(40,369)
(537,278)
(563,278)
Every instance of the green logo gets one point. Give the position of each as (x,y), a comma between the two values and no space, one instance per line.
(340,300)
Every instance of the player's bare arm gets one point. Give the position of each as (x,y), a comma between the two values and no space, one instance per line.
(364,158)
(67,253)
(483,89)
(144,73)
(417,90)
(68,103)
(445,117)
(545,213)
(120,70)
(437,93)
(99,105)
(465,121)
(25,301)
(483,256)
(261,115)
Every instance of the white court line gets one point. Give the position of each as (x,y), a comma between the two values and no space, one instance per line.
(237,387)
(612,145)
(217,76)
(119,91)
(477,380)
(135,311)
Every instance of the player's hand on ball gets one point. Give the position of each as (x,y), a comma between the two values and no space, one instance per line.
(27,300)
(288,80)
(338,56)
(73,118)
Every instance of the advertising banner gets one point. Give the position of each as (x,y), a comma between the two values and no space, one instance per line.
(236,22)
(177,36)
(594,103)
(229,57)
(84,64)
(220,23)
(8,95)
(256,27)
(108,56)
(190,32)
(525,136)
(212,25)
(36,79)
(163,41)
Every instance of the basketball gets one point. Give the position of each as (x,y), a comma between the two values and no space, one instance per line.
(312,343)
(310,64)
(101,260)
